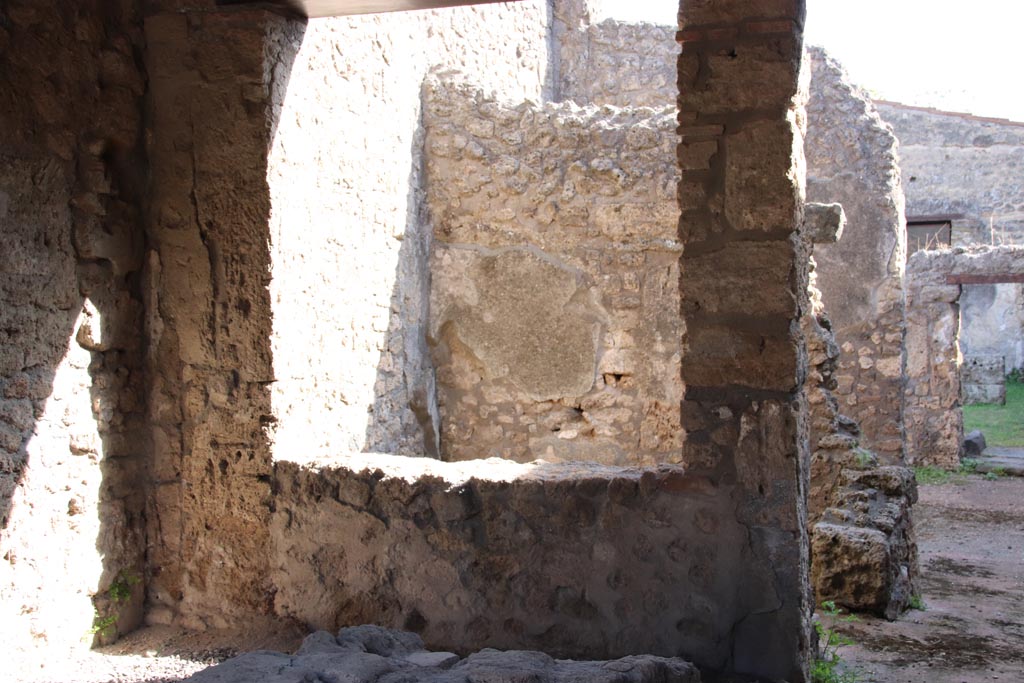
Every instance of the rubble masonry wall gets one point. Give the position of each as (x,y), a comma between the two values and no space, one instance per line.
(851,159)
(554,295)
(288,260)
(72,407)
(349,235)
(970,169)
(933,395)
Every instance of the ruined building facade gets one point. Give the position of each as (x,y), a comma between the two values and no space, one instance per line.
(429,320)
(964,176)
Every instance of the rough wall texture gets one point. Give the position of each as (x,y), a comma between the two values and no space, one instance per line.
(863,548)
(349,243)
(970,170)
(965,167)
(71,409)
(209,314)
(578,560)
(744,286)
(851,159)
(933,397)
(612,62)
(982,378)
(287,270)
(554,319)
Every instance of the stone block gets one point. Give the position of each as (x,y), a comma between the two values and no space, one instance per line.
(720,355)
(759,193)
(824,223)
(724,275)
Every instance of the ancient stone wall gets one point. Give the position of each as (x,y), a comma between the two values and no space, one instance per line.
(982,378)
(349,245)
(744,288)
(287,269)
(993,323)
(967,168)
(72,409)
(851,159)
(554,305)
(934,420)
(613,62)
(578,560)
(970,170)
(208,314)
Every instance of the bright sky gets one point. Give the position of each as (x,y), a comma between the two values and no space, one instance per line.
(937,53)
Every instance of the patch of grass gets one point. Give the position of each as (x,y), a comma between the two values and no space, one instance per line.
(827,666)
(1002,425)
(917,602)
(865,458)
(968,465)
(931,475)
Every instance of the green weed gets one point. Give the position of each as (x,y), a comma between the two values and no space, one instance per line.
(121,589)
(917,602)
(100,624)
(827,664)
(968,466)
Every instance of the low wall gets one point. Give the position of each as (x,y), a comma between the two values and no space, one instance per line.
(580,561)
(983,379)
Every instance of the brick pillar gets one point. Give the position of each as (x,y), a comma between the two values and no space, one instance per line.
(744,283)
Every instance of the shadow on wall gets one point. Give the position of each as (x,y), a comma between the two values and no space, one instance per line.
(72,405)
(404,417)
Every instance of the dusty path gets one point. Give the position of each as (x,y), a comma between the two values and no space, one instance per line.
(971,542)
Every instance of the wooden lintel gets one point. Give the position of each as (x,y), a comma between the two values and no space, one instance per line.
(335,8)
(996,279)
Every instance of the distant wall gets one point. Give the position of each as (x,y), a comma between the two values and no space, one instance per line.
(555,326)
(970,169)
(993,322)
(611,61)
(933,416)
(965,166)
(851,159)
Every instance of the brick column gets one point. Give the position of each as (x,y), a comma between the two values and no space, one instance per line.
(744,283)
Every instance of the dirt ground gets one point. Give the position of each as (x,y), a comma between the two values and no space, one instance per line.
(157,654)
(970,535)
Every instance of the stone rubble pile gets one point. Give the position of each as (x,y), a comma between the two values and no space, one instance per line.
(863,550)
(372,653)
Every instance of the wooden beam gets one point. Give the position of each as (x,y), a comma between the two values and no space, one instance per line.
(997,279)
(335,8)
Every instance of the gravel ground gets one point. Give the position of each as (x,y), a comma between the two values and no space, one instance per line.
(157,654)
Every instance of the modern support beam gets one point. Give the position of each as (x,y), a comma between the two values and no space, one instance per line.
(996,279)
(334,8)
